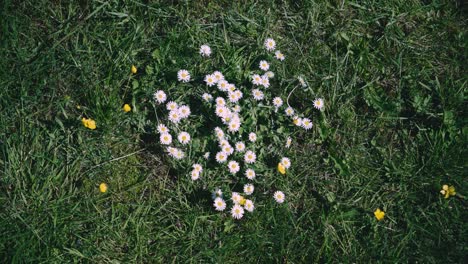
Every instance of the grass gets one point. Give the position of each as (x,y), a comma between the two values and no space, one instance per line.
(394,130)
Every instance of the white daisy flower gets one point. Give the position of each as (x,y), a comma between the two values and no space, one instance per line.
(165,138)
(223,85)
(279,196)
(256,79)
(160,96)
(297,121)
(210,80)
(195,175)
(236,198)
(286,162)
(240,146)
(264,65)
(184,111)
(197,167)
(277,101)
(205,50)
(227,149)
(221,157)
(265,82)
(174,116)
(184,137)
(250,174)
(172,151)
(206,155)
(219,204)
(252,137)
(223,111)
(279,55)
(288,142)
(179,154)
(236,108)
(218,192)
(250,157)
(234,125)
(171,106)
(318,103)
(306,123)
(233,97)
(162,129)
(237,211)
(183,76)
(207,97)
(231,87)
(220,101)
(257,94)
(218,76)
(270,44)
(233,166)
(289,111)
(248,189)
(239,94)
(269,74)
(249,205)
(219,133)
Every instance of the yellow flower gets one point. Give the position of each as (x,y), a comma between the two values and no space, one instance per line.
(89,123)
(134,69)
(242,200)
(296,121)
(379,214)
(103,187)
(281,168)
(447,191)
(127,108)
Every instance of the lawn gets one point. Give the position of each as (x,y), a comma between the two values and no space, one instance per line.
(392,132)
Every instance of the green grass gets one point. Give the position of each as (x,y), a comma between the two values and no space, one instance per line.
(393,75)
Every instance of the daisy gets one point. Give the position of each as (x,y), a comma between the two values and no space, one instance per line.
(184,137)
(218,76)
(222,111)
(236,198)
(236,108)
(163,129)
(238,93)
(286,162)
(210,80)
(248,189)
(231,87)
(221,157)
(179,154)
(297,121)
(318,103)
(174,116)
(252,137)
(265,82)
(270,44)
(277,101)
(218,193)
(160,96)
(234,126)
(279,55)
(172,151)
(219,133)
(219,204)
(306,123)
(237,211)
(205,50)
(233,167)
(256,79)
(220,101)
(269,74)
(249,206)
(264,65)
(227,149)
(183,76)
(289,111)
(240,146)
(279,196)
(197,167)
(257,94)
(233,97)
(250,174)
(171,106)
(288,142)
(184,111)
(195,175)
(250,157)
(207,97)
(165,139)
(223,85)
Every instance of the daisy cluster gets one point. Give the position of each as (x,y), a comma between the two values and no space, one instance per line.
(235,144)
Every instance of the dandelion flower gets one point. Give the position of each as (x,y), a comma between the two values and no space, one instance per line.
(448,191)
(288,142)
(286,162)
(250,174)
(248,189)
(89,123)
(184,137)
(163,129)
(134,69)
(233,167)
(165,138)
(306,124)
(195,175)
(281,168)
(249,205)
(221,157)
(270,44)
(237,211)
(252,137)
(289,111)
(205,50)
(160,97)
(278,102)
(279,196)
(103,187)
(240,146)
(171,106)
(379,214)
(279,55)
(218,76)
(318,103)
(183,76)
(250,157)
(207,97)
(258,95)
(174,116)
(127,108)
(219,204)
(210,80)
(264,65)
